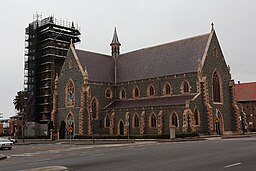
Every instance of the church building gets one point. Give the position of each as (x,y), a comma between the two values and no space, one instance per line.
(185,85)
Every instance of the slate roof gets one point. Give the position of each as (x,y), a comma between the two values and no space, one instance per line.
(149,102)
(168,59)
(100,67)
(245,91)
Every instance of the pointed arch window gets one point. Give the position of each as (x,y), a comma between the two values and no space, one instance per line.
(151,90)
(108,93)
(185,87)
(216,88)
(174,120)
(122,94)
(196,117)
(95,108)
(167,89)
(153,121)
(136,121)
(70,93)
(136,92)
(107,121)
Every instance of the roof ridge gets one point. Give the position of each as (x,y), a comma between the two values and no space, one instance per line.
(93,52)
(176,41)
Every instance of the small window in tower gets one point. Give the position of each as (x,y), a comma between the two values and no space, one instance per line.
(70,64)
(215,52)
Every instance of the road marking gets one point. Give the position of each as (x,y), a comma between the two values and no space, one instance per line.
(21,155)
(39,161)
(95,155)
(232,165)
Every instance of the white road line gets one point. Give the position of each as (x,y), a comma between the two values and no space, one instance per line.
(232,165)
(39,161)
(94,155)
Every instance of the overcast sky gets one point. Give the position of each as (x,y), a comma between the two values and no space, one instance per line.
(139,23)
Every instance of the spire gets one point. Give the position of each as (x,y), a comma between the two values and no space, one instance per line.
(115,40)
(115,45)
(212,26)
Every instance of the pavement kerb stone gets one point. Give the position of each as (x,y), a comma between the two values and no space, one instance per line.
(122,141)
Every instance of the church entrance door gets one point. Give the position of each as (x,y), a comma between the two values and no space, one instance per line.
(121,128)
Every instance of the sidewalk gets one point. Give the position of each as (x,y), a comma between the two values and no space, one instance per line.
(123,141)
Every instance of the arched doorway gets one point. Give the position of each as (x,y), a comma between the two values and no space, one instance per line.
(121,128)
(219,123)
(62,131)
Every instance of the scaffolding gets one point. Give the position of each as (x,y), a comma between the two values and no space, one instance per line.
(46,44)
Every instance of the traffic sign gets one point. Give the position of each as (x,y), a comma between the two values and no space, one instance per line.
(217,119)
(70,129)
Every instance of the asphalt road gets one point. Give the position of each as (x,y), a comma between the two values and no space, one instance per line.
(230,154)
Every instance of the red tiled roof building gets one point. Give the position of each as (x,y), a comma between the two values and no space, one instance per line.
(246,98)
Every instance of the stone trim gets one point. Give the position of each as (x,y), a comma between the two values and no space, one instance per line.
(81,111)
(234,105)
(89,111)
(112,123)
(207,105)
(207,47)
(126,123)
(160,122)
(188,116)
(54,103)
(142,123)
